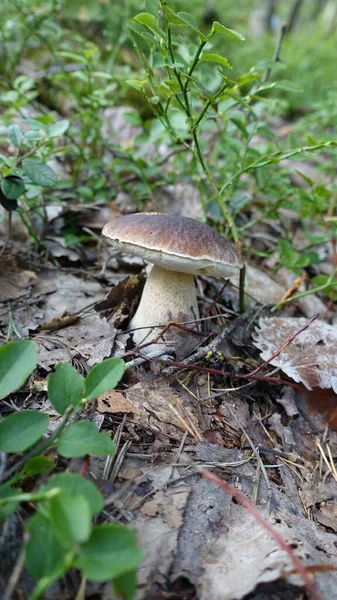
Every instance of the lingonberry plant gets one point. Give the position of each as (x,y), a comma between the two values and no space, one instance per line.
(62,532)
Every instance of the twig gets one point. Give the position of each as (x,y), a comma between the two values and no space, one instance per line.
(276,56)
(136,362)
(110,459)
(253,447)
(180,449)
(308,292)
(242,289)
(3,463)
(286,343)
(246,503)
(293,15)
(16,573)
(212,347)
(264,378)
(85,465)
(293,288)
(8,233)
(119,460)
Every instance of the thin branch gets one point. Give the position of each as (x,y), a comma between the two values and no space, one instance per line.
(293,15)
(8,233)
(16,573)
(276,56)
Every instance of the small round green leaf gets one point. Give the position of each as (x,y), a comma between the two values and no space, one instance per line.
(125,585)
(37,465)
(45,555)
(217,58)
(82,438)
(76,485)
(65,387)
(172,17)
(58,128)
(149,21)
(71,518)
(12,187)
(218,28)
(15,134)
(103,377)
(111,551)
(39,173)
(22,429)
(17,361)
(188,20)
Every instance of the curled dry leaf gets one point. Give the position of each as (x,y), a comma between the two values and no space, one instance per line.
(326,514)
(122,297)
(311,358)
(60,322)
(114,402)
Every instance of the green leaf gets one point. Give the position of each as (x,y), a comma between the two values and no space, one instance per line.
(188,20)
(58,128)
(65,387)
(172,17)
(17,361)
(7,509)
(76,485)
(12,186)
(288,255)
(217,58)
(39,173)
(15,135)
(149,21)
(71,518)
(111,551)
(218,28)
(22,429)
(37,465)
(45,555)
(125,585)
(82,438)
(137,84)
(103,377)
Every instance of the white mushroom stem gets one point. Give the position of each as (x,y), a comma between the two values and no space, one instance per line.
(167,296)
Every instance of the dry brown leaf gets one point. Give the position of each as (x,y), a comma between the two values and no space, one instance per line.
(91,340)
(59,322)
(311,358)
(15,283)
(114,402)
(159,409)
(122,298)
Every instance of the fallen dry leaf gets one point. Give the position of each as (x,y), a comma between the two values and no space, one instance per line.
(311,358)
(91,340)
(122,297)
(326,514)
(59,322)
(15,283)
(114,402)
(160,409)
(195,531)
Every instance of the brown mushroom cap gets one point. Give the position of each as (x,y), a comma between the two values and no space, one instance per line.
(175,243)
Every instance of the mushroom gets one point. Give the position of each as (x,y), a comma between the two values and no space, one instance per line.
(179,248)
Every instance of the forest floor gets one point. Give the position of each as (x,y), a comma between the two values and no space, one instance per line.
(264,422)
